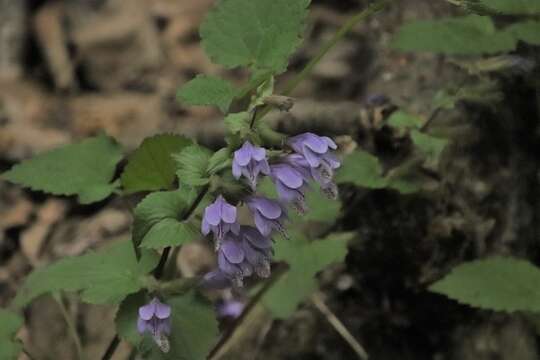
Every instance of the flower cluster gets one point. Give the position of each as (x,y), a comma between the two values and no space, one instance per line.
(243,250)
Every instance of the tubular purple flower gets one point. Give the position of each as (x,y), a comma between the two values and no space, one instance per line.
(240,256)
(268,215)
(291,183)
(219,218)
(155,318)
(314,148)
(250,161)
(314,154)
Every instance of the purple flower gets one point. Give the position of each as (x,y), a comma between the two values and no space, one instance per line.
(155,318)
(249,161)
(291,183)
(314,154)
(240,256)
(220,218)
(268,215)
(230,308)
(323,174)
(316,149)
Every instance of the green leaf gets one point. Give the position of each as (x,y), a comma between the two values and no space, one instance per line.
(361,169)
(158,220)
(516,7)
(83,169)
(219,161)
(321,208)
(105,276)
(468,35)
(192,164)
(10,323)
(260,34)
(305,260)
(126,317)
(403,120)
(194,330)
(151,166)
(498,283)
(431,146)
(208,90)
(238,123)
(527,31)
(263,91)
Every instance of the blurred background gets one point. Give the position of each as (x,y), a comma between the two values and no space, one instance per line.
(73,69)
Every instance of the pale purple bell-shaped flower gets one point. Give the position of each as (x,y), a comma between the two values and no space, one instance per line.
(250,161)
(323,174)
(291,184)
(268,215)
(316,149)
(155,318)
(240,256)
(219,218)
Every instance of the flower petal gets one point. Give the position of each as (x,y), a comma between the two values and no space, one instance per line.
(255,238)
(146,312)
(263,224)
(243,155)
(316,143)
(212,214)
(228,213)
(163,311)
(232,250)
(270,209)
(330,142)
(226,266)
(312,158)
(141,325)
(288,175)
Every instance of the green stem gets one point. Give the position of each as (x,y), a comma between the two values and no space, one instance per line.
(344,30)
(71,326)
(340,34)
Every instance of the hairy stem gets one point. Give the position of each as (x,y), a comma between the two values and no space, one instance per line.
(70,325)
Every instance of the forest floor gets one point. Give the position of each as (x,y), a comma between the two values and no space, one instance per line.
(82,67)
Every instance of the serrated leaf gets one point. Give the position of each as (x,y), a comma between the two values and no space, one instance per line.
(498,283)
(102,277)
(238,123)
(194,330)
(208,90)
(431,146)
(527,31)
(219,161)
(10,323)
(516,7)
(320,208)
(260,34)
(151,166)
(468,35)
(158,220)
(361,169)
(305,260)
(83,169)
(192,164)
